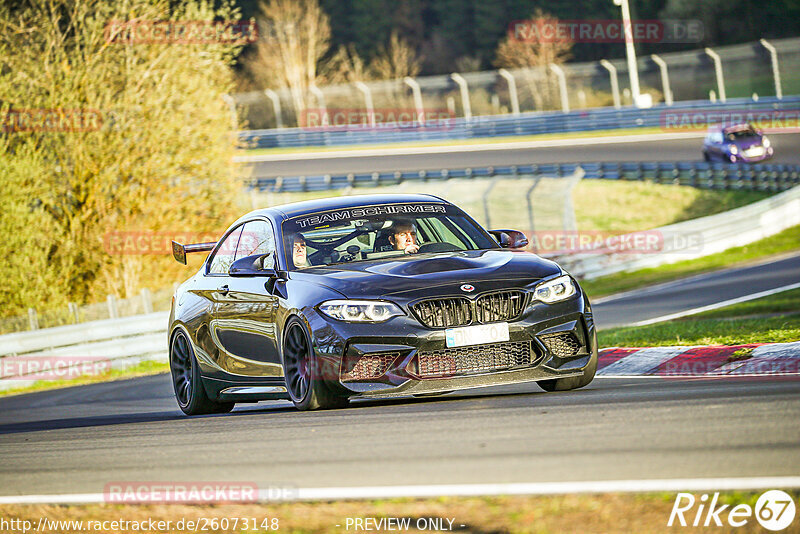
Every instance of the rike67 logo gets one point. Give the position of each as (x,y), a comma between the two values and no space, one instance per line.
(774,510)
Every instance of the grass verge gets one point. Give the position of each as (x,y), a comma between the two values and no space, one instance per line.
(597,513)
(140,369)
(772,319)
(781,243)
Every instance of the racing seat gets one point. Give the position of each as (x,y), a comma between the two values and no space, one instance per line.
(382,243)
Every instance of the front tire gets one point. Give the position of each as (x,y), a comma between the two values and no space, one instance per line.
(304,382)
(574,382)
(187,382)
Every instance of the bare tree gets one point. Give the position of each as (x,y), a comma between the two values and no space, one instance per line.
(395,60)
(346,66)
(294,36)
(535,55)
(156,157)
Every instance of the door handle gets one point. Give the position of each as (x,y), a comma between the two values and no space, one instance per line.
(224,289)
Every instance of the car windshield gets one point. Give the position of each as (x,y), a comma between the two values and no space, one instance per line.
(741,135)
(367,233)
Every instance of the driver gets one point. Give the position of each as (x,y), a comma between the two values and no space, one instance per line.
(299,252)
(404,237)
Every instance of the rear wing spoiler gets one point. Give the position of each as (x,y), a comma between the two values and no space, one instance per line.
(179,251)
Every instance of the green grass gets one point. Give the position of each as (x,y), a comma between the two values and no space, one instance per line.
(781,243)
(607,513)
(140,369)
(772,319)
(781,329)
(618,206)
(785,303)
(457,142)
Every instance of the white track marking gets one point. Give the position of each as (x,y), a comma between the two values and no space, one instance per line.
(642,361)
(717,305)
(464,490)
(512,145)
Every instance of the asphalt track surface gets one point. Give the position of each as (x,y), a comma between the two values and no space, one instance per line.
(696,292)
(77,440)
(787,150)
(80,439)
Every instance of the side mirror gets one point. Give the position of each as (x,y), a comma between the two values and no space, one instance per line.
(510,238)
(252,266)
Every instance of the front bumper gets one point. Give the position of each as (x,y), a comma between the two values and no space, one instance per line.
(394,350)
(741,156)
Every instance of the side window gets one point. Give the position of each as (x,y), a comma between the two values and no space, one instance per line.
(441,233)
(257,238)
(225,254)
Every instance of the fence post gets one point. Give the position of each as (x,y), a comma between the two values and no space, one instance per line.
(662,66)
(112,307)
(462,85)
(232,105)
(612,73)
(317,92)
(364,88)
(33,319)
(415,90)
(276,106)
(718,69)
(569,209)
(512,90)
(73,310)
(536,181)
(562,84)
(776,74)
(486,193)
(147,300)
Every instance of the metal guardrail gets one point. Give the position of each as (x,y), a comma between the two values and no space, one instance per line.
(753,177)
(507,125)
(121,341)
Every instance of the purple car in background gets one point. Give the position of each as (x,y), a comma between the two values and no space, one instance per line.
(740,142)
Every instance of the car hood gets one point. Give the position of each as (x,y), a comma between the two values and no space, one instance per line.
(744,144)
(420,275)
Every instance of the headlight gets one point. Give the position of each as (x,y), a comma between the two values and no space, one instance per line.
(554,290)
(765,142)
(360,311)
(733,149)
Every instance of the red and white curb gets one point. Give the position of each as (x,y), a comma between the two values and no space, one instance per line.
(765,359)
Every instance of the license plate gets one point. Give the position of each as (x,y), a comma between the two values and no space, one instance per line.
(476,335)
(758,151)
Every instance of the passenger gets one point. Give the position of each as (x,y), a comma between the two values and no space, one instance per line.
(404,237)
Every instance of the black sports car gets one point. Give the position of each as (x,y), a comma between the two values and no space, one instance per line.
(371,296)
